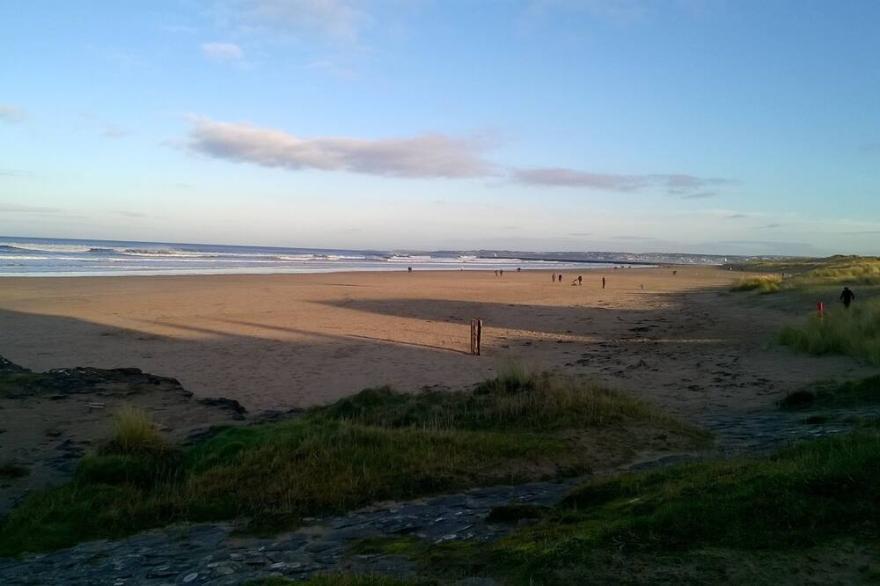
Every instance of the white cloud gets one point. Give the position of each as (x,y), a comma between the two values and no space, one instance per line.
(425,155)
(10,113)
(226,52)
(686,186)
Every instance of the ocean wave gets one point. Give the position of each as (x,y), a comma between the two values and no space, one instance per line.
(410,259)
(28,247)
(170,252)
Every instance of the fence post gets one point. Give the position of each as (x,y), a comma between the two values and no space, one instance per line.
(476,336)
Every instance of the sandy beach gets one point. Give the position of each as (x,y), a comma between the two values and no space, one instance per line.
(282,341)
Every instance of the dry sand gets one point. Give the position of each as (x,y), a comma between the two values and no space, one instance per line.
(281,341)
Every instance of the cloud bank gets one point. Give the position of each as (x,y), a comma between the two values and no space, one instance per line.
(426,155)
(420,156)
(686,186)
(26,209)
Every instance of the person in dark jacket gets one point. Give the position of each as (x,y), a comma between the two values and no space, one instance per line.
(847,296)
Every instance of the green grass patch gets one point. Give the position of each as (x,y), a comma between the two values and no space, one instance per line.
(813,495)
(536,403)
(865,391)
(805,495)
(374,446)
(853,332)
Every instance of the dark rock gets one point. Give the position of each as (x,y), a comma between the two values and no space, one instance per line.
(7,367)
(59,383)
(232,405)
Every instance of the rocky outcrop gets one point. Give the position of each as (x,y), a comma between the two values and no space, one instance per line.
(17,382)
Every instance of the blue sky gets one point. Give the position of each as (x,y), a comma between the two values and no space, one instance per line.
(680,125)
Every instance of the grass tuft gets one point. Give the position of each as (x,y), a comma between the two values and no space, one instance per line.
(763,284)
(134,432)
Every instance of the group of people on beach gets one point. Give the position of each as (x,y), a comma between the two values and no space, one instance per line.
(578,281)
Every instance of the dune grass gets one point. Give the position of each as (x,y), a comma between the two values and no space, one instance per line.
(374,446)
(804,274)
(844,270)
(808,495)
(853,332)
(762,284)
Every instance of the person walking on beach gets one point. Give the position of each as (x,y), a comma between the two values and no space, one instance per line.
(560,277)
(603,282)
(580,280)
(554,277)
(847,296)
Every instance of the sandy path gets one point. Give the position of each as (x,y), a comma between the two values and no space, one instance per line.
(281,341)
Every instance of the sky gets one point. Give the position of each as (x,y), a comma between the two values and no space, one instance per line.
(712,126)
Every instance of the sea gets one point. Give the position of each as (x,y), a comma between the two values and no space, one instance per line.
(44,257)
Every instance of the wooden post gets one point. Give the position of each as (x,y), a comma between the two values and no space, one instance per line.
(476,335)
